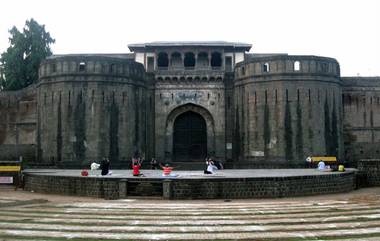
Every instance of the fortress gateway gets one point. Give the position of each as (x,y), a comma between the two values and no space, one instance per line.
(181,101)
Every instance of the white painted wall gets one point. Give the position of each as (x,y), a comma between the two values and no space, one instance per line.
(239,57)
(139,57)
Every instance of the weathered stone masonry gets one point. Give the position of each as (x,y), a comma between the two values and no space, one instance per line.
(259,110)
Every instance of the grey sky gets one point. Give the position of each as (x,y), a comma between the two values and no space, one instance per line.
(346,30)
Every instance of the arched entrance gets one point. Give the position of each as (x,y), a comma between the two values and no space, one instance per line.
(189,137)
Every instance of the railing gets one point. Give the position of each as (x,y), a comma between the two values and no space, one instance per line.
(189,68)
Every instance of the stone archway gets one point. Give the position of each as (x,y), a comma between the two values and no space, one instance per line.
(189,137)
(184,114)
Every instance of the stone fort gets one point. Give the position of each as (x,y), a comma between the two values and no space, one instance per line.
(182,101)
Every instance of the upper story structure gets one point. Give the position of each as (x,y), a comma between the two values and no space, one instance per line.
(189,60)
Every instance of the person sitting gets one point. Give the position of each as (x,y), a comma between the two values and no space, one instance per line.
(105,166)
(219,165)
(211,168)
(323,167)
(154,164)
(167,171)
(136,165)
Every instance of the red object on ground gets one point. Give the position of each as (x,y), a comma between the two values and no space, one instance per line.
(84,173)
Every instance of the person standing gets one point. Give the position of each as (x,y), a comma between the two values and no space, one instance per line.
(105,166)
(153,164)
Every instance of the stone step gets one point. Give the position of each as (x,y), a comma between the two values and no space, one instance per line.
(191,222)
(182,216)
(188,229)
(193,236)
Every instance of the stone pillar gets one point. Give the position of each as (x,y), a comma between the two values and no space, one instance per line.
(167,192)
(369,172)
(111,189)
(123,188)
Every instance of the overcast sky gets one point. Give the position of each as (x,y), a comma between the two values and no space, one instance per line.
(343,29)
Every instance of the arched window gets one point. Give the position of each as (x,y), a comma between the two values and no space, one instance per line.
(176,60)
(243,71)
(189,60)
(82,66)
(297,66)
(53,67)
(266,67)
(112,68)
(202,60)
(162,60)
(216,59)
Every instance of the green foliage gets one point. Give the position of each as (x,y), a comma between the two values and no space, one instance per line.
(288,134)
(19,63)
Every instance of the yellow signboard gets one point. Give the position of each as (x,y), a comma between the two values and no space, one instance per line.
(10,168)
(324,158)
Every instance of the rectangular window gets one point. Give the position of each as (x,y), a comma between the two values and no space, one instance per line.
(228,63)
(150,66)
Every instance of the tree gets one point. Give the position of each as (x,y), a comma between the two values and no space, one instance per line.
(20,62)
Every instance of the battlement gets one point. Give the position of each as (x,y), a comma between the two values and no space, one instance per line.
(294,65)
(85,65)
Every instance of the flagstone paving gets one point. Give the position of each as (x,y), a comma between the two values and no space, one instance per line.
(31,216)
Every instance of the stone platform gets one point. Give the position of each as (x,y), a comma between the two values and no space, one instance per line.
(226,184)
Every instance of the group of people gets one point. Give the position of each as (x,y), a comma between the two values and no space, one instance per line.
(211,166)
(154,164)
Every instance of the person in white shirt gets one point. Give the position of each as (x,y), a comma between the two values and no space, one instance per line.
(211,168)
(321,166)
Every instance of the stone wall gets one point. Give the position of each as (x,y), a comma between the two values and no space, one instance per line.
(287,108)
(91,107)
(18,124)
(369,170)
(203,97)
(361,102)
(220,188)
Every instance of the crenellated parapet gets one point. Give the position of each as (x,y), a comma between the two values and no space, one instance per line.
(81,67)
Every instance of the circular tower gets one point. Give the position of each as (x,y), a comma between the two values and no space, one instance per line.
(287,108)
(89,107)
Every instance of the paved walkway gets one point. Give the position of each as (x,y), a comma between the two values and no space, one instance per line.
(32,216)
(226,173)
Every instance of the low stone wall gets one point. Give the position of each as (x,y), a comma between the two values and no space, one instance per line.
(218,188)
(369,171)
(267,187)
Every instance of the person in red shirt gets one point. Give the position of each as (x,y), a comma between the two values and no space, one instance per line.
(167,171)
(136,165)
